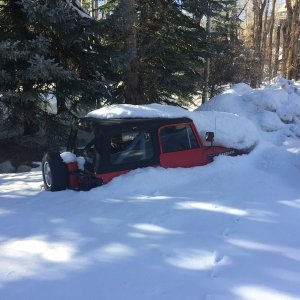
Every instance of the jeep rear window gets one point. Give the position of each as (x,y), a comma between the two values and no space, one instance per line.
(129,147)
(178,138)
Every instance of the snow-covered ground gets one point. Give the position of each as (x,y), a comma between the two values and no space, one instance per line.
(228,230)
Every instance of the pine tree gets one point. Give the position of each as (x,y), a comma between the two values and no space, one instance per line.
(225,49)
(49,47)
(160,48)
(228,58)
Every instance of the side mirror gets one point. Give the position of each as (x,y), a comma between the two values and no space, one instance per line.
(209,137)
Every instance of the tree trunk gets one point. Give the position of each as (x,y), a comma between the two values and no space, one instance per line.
(207,63)
(132,92)
(258,12)
(28,106)
(295,70)
(271,31)
(265,31)
(276,56)
(285,41)
(95,9)
(293,8)
(60,98)
(30,128)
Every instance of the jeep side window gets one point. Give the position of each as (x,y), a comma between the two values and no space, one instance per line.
(84,139)
(85,146)
(177,138)
(128,147)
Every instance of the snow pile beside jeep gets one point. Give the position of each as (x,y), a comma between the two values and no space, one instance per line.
(273,109)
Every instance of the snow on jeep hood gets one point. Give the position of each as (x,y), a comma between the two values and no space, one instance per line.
(230,129)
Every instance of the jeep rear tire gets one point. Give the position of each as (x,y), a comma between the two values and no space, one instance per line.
(55,174)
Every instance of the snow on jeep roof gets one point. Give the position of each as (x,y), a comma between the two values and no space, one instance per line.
(120,111)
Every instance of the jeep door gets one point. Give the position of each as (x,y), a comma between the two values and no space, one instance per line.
(181,146)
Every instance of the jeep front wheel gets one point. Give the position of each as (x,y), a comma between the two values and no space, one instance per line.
(54,172)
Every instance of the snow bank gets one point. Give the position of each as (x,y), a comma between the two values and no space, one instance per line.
(241,88)
(296,129)
(230,130)
(289,111)
(275,108)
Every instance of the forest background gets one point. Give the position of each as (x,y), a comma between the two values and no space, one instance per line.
(81,55)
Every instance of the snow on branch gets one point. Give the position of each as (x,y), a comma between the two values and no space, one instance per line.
(75,4)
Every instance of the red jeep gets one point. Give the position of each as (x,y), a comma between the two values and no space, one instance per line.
(112,147)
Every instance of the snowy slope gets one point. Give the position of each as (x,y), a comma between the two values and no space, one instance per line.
(228,230)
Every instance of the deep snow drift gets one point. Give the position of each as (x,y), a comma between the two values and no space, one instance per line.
(228,230)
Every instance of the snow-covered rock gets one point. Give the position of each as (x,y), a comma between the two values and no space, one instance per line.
(7,167)
(23,168)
